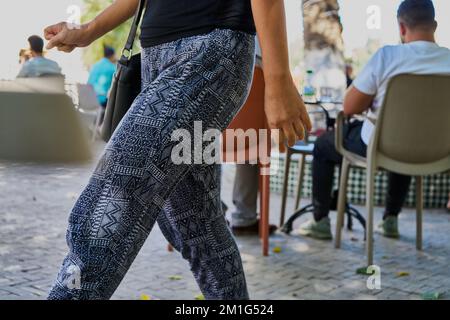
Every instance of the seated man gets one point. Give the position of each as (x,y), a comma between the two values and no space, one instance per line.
(38,66)
(419,54)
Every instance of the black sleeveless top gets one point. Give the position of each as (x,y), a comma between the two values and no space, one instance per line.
(170,20)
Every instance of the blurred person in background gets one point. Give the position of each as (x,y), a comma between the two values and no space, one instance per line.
(24,56)
(349,74)
(418,54)
(101,75)
(38,66)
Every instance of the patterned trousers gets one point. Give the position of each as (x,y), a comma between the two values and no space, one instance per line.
(201,78)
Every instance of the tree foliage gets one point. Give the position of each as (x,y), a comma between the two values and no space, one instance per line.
(322,25)
(115,38)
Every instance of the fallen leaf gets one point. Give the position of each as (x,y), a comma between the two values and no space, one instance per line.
(431,295)
(363,271)
(175,277)
(200,297)
(277,250)
(402,274)
(145,297)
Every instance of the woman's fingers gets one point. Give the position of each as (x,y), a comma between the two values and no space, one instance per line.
(293,132)
(281,141)
(49,33)
(57,36)
(306,121)
(299,129)
(304,116)
(66,48)
(289,132)
(56,41)
(52,30)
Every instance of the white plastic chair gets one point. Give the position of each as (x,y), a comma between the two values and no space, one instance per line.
(88,106)
(49,84)
(412,137)
(40,127)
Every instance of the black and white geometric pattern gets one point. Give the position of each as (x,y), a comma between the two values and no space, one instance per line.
(202,78)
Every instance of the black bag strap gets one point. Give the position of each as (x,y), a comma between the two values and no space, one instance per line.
(127,51)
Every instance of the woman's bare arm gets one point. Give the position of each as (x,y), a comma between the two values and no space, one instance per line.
(284,107)
(65,38)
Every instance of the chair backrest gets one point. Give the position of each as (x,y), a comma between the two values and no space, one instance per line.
(54,84)
(251,117)
(87,99)
(41,127)
(413,125)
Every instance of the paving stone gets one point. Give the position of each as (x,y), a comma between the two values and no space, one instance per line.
(32,246)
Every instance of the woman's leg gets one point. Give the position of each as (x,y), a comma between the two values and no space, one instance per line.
(208,82)
(194,223)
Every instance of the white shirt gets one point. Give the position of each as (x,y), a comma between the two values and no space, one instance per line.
(419,57)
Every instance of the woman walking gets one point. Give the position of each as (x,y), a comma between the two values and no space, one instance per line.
(197,65)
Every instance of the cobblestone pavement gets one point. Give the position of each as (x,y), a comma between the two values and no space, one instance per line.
(35,201)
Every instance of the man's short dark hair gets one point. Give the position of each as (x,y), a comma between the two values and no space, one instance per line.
(417,14)
(36,44)
(109,51)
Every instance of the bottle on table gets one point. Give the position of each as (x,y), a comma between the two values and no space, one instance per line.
(309,92)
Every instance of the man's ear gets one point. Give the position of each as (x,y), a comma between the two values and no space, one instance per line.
(402,27)
(435,25)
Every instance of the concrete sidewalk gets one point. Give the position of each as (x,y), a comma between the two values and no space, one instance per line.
(35,202)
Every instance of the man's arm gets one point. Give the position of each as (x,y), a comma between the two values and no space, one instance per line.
(360,96)
(284,107)
(356,102)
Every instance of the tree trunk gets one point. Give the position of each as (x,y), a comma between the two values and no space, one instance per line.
(324,46)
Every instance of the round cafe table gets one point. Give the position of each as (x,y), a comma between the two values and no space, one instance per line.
(325,113)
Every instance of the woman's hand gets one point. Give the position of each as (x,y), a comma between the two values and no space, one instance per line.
(66,37)
(284,107)
(286,111)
